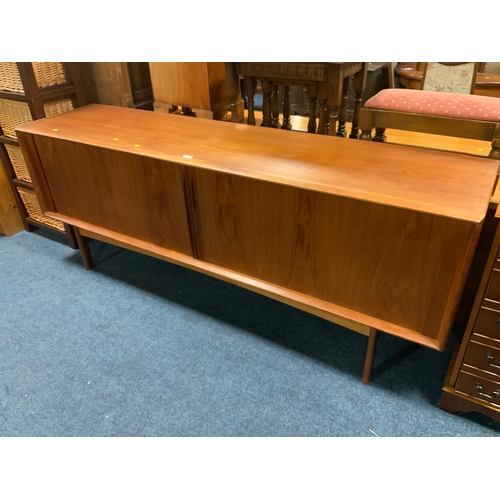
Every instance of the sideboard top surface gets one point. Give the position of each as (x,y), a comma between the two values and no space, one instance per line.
(440,183)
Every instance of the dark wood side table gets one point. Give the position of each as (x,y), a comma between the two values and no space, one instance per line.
(327,83)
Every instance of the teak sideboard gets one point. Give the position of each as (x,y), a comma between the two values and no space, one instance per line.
(373,237)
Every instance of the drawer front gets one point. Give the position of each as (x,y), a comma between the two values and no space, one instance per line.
(493,291)
(479,388)
(483,357)
(488,323)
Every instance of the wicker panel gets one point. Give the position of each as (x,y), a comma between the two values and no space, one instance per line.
(14,113)
(58,106)
(18,163)
(46,74)
(35,212)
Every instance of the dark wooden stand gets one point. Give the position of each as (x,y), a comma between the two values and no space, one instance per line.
(327,88)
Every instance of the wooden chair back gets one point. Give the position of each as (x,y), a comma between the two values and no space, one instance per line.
(456,78)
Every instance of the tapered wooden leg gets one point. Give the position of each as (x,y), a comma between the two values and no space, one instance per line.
(83,243)
(70,236)
(370,354)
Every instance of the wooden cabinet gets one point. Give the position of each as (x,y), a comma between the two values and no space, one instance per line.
(126,84)
(30,91)
(204,87)
(473,380)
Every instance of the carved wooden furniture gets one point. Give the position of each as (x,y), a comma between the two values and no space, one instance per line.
(204,87)
(473,380)
(437,111)
(327,86)
(372,237)
(30,91)
(125,84)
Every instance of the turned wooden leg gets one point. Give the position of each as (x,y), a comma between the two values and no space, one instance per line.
(332,119)
(275,111)
(355,119)
(341,132)
(359,84)
(322,117)
(366,135)
(495,145)
(266,104)
(83,244)
(379,135)
(250,84)
(287,123)
(312,91)
(370,354)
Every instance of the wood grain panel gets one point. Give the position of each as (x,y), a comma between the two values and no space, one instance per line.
(133,195)
(191,84)
(395,265)
(428,181)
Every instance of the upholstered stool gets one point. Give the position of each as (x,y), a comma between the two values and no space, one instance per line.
(458,115)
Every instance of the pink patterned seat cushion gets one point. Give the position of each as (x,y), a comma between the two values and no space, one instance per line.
(471,107)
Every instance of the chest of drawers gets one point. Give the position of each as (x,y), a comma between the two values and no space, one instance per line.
(473,380)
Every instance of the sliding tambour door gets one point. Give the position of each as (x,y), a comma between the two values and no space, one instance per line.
(132,195)
(389,263)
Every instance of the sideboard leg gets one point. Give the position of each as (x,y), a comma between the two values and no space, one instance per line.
(370,354)
(83,244)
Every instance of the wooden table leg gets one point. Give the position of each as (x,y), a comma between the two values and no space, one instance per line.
(266,104)
(370,354)
(83,243)
(70,236)
(233,84)
(359,84)
(275,112)
(250,84)
(341,132)
(287,123)
(312,92)
(322,97)
(495,145)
